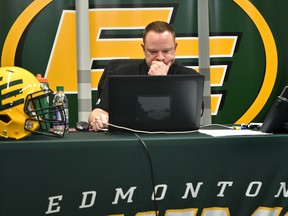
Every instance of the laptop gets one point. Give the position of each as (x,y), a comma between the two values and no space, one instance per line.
(155,103)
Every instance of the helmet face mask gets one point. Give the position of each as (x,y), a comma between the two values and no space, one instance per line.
(22,109)
(40,115)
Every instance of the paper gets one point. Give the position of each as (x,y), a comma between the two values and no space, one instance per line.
(227,132)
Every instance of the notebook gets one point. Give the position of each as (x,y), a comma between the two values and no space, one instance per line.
(155,103)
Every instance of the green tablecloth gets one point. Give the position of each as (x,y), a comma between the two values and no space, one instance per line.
(88,173)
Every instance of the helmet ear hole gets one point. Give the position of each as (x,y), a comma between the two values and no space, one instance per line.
(5,118)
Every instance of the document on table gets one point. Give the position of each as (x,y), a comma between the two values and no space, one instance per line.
(230,132)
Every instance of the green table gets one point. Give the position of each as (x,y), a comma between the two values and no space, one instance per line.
(95,174)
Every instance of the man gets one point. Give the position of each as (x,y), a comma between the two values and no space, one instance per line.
(159,47)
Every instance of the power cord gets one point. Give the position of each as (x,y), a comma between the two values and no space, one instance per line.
(151,171)
(147,150)
(147,132)
(161,132)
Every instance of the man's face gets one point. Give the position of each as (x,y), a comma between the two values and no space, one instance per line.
(159,47)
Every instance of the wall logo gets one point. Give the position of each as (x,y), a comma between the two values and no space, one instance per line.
(112,35)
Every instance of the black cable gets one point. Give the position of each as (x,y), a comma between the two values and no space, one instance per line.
(151,171)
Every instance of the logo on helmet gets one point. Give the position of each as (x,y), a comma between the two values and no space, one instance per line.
(10,93)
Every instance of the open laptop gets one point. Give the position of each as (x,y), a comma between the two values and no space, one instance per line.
(155,103)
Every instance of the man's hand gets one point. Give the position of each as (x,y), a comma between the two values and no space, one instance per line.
(159,68)
(98,119)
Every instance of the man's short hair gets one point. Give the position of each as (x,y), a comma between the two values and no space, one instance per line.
(158,27)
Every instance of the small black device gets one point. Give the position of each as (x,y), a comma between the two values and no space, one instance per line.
(82,126)
(276,120)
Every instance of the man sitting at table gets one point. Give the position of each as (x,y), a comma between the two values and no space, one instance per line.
(159,47)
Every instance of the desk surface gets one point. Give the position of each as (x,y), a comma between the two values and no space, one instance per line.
(88,173)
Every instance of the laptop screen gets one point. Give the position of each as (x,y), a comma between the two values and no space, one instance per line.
(155,103)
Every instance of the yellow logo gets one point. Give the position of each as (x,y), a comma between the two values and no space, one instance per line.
(62,65)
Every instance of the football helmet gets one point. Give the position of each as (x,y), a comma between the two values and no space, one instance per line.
(22,109)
